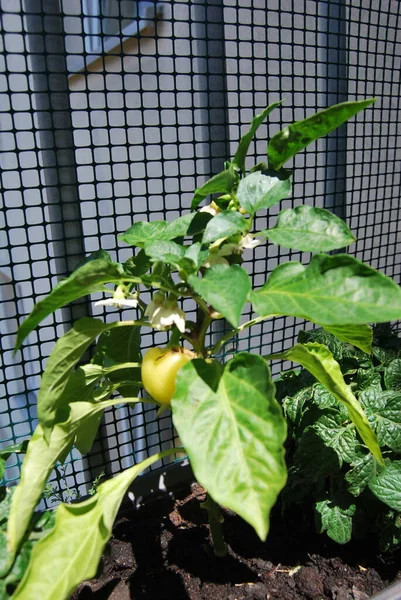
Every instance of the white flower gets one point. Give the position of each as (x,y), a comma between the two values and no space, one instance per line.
(211,208)
(248,241)
(119,301)
(164,313)
(154,305)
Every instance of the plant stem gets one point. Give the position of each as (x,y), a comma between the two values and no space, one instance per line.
(215,519)
(235,332)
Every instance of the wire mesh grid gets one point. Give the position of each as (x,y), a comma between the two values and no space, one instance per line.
(114,111)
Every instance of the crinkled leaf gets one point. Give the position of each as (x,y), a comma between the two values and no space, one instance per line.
(89,278)
(360,336)
(335,520)
(341,350)
(310,229)
(392,375)
(217,288)
(223,225)
(362,471)
(331,290)
(320,362)
(314,458)
(222,183)
(384,412)
(387,485)
(369,378)
(294,407)
(39,461)
(63,358)
(233,431)
(71,552)
(259,190)
(243,146)
(341,437)
(288,142)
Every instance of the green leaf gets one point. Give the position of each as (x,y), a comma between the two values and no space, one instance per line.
(341,437)
(63,358)
(320,362)
(309,229)
(387,485)
(233,431)
(197,253)
(138,265)
(315,459)
(222,183)
(243,146)
(119,346)
(288,142)
(335,520)
(341,350)
(39,461)
(89,278)
(392,375)
(5,454)
(359,476)
(216,287)
(360,336)
(70,553)
(331,290)
(169,252)
(223,225)
(144,232)
(258,190)
(384,412)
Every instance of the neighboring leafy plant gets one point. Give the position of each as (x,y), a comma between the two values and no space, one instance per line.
(328,466)
(226,416)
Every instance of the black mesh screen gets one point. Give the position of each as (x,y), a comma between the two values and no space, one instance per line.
(113,111)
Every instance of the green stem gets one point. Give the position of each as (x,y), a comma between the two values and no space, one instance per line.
(226,338)
(215,519)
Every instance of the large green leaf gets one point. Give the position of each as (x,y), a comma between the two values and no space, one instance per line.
(226,288)
(360,336)
(223,225)
(243,146)
(63,358)
(258,190)
(145,232)
(384,412)
(89,278)
(387,485)
(319,361)
(309,229)
(71,552)
(222,183)
(331,290)
(288,142)
(233,431)
(39,461)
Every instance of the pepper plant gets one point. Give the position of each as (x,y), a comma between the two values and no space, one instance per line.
(226,415)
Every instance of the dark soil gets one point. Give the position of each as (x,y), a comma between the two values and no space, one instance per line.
(163,551)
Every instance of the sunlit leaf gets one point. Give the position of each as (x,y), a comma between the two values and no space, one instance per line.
(288,142)
(233,431)
(331,290)
(259,190)
(309,229)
